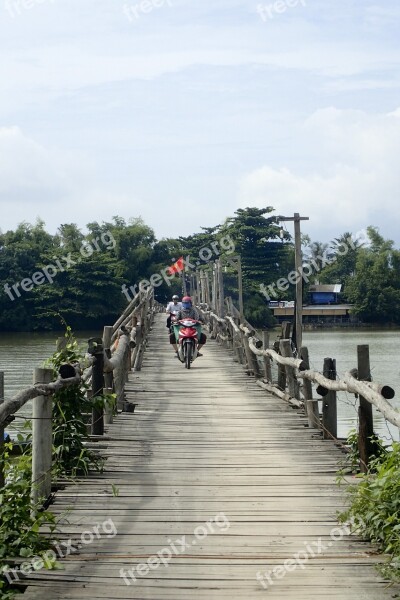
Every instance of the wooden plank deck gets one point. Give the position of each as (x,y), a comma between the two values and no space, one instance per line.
(208,446)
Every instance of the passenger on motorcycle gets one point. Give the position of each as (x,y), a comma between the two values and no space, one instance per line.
(188,311)
(173,308)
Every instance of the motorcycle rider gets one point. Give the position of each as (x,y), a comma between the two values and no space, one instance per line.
(188,311)
(173,308)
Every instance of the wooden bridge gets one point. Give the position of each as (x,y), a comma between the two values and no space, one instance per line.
(213,488)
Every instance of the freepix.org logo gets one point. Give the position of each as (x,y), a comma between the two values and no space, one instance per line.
(47,559)
(15,8)
(59,265)
(223,244)
(314,265)
(219,523)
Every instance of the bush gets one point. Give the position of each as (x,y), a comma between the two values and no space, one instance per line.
(375,508)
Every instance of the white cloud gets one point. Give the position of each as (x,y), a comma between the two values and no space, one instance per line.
(133,118)
(353,181)
(26,166)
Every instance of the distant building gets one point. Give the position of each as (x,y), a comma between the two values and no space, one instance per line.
(324,308)
(325,294)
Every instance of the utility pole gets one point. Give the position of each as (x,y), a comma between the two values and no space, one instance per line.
(184,285)
(299,280)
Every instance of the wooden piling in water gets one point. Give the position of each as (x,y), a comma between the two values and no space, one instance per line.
(286,351)
(311,406)
(365,417)
(98,390)
(329,403)
(267,360)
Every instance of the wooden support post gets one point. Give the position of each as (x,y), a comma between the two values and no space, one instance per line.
(240,288)
(97,390)
(285,334)
(281,377)
(267,360)
(221,301)
(214,300)
(107,335)
(251,359)
(108,409)
(136,332)
(285,348)
(365,417)
(241,350)
(247,351)
(42,440)
(256,366)
(286,328)
(1,432)
(143,337)
(202,287)
(138,349)
(329,403)
(199,279)
(311,406)
(207,297)
(120,381)
(237,338)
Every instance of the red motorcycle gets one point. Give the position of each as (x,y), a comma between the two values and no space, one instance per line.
(187,332)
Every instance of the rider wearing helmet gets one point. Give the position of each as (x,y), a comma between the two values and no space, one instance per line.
(173,308)
(188,311)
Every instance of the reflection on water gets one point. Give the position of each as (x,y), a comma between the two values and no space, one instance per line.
(20,353)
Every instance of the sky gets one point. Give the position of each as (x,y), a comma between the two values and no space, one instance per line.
(183,111)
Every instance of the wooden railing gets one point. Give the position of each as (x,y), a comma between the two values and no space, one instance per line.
(295,379)
(110,359)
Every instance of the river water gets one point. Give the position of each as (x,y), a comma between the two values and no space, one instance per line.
(341,344)
(21,352)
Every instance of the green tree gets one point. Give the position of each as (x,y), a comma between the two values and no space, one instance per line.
(343,253)
(265,256)
(20,252)
(375,287)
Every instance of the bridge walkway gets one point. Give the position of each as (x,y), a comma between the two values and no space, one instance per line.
(220,480)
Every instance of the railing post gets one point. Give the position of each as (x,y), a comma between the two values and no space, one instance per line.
(311,406)
(220,280)
(329,404)
(138,349)
(365,416)
(108,377)
(286,350)
(42,439)
(135,335)
(281,376)
(143,334)
(247,351)
(107,335)
(267,360)
(1,432)
(255,364)
(98,389)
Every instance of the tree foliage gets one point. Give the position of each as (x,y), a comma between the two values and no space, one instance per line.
(85,271)
(375,286)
